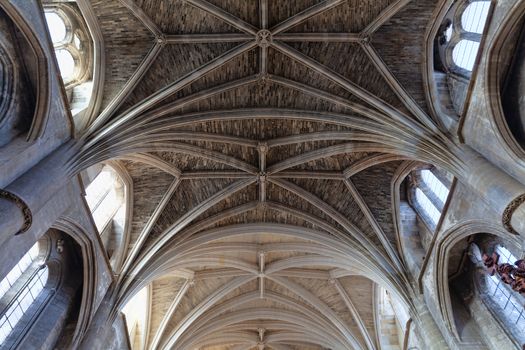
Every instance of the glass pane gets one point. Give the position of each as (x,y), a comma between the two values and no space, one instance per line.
(464,54)
(435,185)
(56,27)
(19,268)
(99,188)
(505,256)
(428,207)
(475,15)
(22,303)
(66,63)
(102,197)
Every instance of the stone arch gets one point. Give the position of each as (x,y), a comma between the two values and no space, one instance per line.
(40,78)
(447,85)
(408,249)
(115,233)
(447,241)
(90,273)
(497,53)
(84,42)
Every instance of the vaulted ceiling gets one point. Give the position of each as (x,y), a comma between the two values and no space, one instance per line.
(262,138)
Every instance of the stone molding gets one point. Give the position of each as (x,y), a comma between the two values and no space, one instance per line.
(509,210)
(26,212)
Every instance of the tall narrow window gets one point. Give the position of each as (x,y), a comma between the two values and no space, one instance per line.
(434,185)
(429,196)
(25,296)
(427,206)
(103,197)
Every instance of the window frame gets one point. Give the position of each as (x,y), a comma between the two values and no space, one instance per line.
(21,285)
(82,56)
(121,198)
(416,182)
(459,34)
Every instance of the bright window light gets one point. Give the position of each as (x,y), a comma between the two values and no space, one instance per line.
(56,27)
(428,207)
(475,15)
(448,33)
(464,54)
(76,41)
(66,63)
(26,297)
(435,185)
(18,270)
(503,296)
(102,198)
(135,311)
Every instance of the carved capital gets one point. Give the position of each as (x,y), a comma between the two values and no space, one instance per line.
(26,212)
(509,210)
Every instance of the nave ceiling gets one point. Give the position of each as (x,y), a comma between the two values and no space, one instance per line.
(262,138)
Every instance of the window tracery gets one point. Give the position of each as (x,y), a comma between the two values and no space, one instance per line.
(73,51)
(66,34)
(24,298)
(460,35)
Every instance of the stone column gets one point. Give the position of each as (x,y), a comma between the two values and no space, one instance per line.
(26,195)
(100,330)
(501,192)
(427,329)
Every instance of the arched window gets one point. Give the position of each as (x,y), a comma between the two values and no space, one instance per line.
(73,50)
(460,35)
(105,198)
(17,293)
(62,39)
(429,194)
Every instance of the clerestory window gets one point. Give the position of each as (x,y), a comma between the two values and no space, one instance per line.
(73,46)
(461,35)
(429,194)
(105,198)
(66,53)
(19,290)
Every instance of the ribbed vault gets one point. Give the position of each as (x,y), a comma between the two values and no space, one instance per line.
(262,138)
